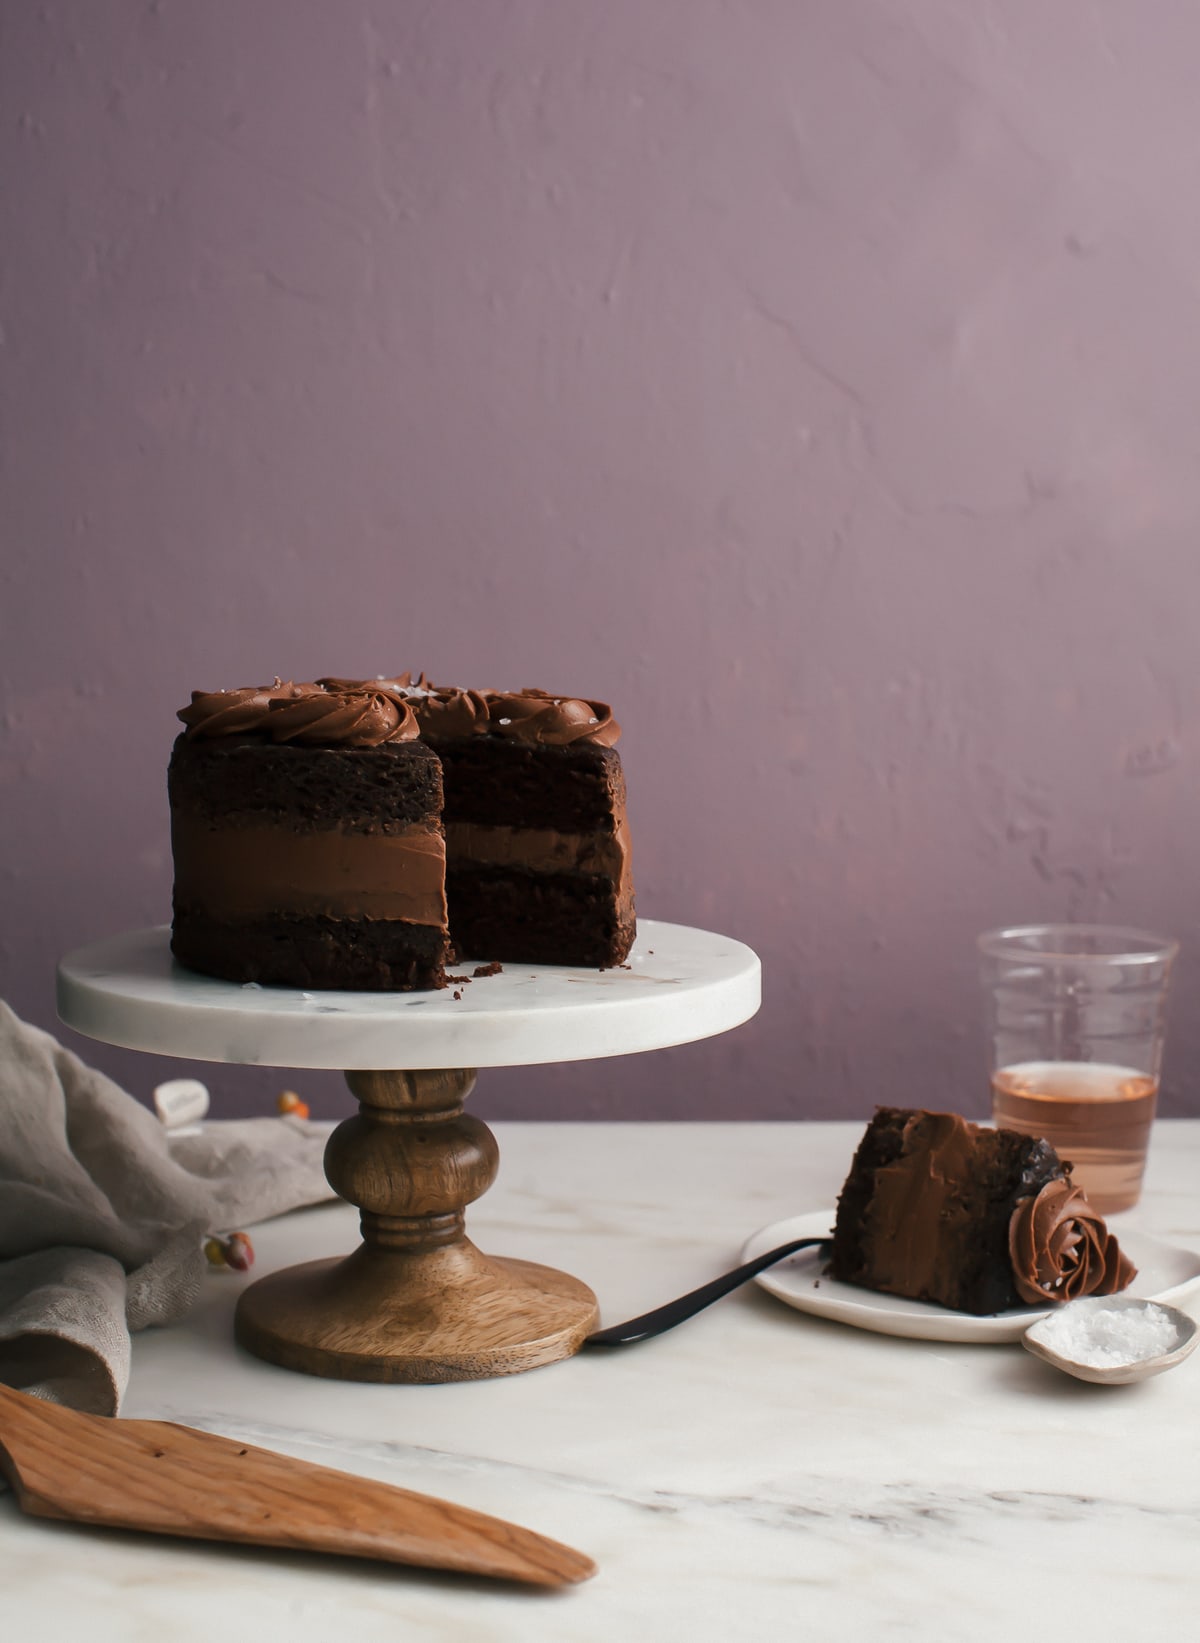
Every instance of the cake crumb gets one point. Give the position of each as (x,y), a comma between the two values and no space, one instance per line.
(487,969)
(449,977)
(456,993)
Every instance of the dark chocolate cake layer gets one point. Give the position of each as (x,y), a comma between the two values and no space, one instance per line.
(363,955)
(345,787)
(497,782)
(926,1208)
(536,918)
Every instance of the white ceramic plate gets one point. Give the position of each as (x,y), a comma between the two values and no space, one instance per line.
(1165,1272)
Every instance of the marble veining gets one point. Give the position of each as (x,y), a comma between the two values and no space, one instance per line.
(903,1507)
(754,1474)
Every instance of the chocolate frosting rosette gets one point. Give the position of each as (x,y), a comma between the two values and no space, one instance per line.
(1062,1249)
(362,716)
(234,712)
(555,721)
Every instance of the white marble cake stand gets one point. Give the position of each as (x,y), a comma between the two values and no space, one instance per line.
(416,1301)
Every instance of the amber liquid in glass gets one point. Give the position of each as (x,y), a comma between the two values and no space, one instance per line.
(1096,1116)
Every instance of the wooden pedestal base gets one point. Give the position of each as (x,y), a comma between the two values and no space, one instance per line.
(417,1301)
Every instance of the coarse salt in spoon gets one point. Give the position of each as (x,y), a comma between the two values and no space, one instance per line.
(1112,1339)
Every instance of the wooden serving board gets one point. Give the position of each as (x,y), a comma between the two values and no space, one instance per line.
(173,1480)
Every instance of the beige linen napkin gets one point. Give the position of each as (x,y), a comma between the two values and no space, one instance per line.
(103,1216)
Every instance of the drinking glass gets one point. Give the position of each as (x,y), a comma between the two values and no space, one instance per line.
(1075,1017)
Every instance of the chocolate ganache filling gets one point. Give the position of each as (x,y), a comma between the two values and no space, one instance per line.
(249,872)
(1061,1248)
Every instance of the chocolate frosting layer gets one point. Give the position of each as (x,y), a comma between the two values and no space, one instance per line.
(347,713)
(370,712)
(469,844)
(248,872)
(1061,1248)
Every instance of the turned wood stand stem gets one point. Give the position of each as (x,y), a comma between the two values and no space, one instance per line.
(416,1301)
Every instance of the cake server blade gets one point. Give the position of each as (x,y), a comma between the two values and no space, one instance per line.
(173,1480)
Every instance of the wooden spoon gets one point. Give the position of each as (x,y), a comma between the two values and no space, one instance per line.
(173,1480)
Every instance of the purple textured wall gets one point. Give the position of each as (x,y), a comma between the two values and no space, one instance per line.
(820,383)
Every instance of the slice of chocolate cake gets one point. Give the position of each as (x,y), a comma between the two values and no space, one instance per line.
(978,1220)
(306,832)
(537,842)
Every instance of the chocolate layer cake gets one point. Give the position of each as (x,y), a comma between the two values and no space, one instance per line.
(317,840)
(978,1220)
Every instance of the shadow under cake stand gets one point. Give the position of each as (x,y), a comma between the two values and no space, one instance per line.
(417,1301)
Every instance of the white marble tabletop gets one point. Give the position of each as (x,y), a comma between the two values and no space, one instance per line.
(756,1474)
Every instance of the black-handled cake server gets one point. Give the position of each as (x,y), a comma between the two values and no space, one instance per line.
(686,1306)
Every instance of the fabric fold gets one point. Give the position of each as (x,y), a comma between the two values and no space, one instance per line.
(103,1213)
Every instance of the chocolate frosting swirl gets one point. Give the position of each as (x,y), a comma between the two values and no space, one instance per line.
(364,716)
(446,711)
(370,712)
(346,713)
(521,715)
(536,716)
(235,712)
(1061,1249)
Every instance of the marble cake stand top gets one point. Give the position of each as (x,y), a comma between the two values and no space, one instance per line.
(678,985)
